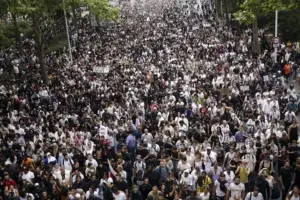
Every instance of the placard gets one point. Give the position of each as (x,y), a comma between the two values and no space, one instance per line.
(245,88)
(101,70)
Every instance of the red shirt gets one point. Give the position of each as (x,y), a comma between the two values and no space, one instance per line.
(7,183)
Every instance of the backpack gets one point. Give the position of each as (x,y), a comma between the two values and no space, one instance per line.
(143,165)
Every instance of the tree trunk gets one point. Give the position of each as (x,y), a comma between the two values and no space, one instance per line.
(256,45)
(226,2)
(55,32)
(218,5)
(40,50)
(17,32)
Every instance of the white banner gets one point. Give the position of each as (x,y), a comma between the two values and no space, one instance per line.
(101,70)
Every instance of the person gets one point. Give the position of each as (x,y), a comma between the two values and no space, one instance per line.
(203,182)
(293,131)
(294,194)
(221,186)
(254,195)
(121,185)
(136,193)
(236,190)
(118,195)
(286,176)
(193,196)
(196,91)
(155,193)
(263,186)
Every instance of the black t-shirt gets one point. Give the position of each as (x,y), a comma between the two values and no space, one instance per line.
(284,142)
(122,185)
(286,174)
(297,177)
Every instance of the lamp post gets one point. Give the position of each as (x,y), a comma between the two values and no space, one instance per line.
(68,35)
(276,32)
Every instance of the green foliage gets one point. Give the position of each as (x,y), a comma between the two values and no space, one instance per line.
(102,9)
(5,38)
(251,9)
(288,24)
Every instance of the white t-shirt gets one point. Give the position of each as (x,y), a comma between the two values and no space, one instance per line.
(258,197)
(204,196)
(236,190)
(293,197)
(219,192)
(28,177)
(120,196)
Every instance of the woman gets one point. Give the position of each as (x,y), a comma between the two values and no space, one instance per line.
(282,157)
(234,163)
(294,194)
(293,131)
(228,157)
(198,160)
(11,192)
(268,178)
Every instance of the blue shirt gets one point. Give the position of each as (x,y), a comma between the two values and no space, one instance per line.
(130,141)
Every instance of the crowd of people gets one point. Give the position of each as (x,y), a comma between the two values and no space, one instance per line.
(163,106)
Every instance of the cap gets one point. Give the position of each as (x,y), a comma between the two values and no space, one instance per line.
(208,147)
(36,184)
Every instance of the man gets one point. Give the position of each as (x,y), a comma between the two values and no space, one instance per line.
(136,194)
(255,195)
(27,176)
(286,174)
(163,170)
(236,190)
(263,186)
(187,178)
(155,193)
(147,137)
(121,185)
(221,186)
(67,163)
(289,116)
(139,164)
(49,159)
(131,145)
(92,192)
(210,157)
(118,195)
(145,188)
(193,196)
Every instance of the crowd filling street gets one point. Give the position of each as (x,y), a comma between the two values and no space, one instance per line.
(168,105)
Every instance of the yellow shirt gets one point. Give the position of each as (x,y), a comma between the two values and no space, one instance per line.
(243,175)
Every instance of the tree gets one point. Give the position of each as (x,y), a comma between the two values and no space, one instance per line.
(42,15)
(249,12)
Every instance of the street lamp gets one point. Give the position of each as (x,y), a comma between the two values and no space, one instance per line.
(276,32)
